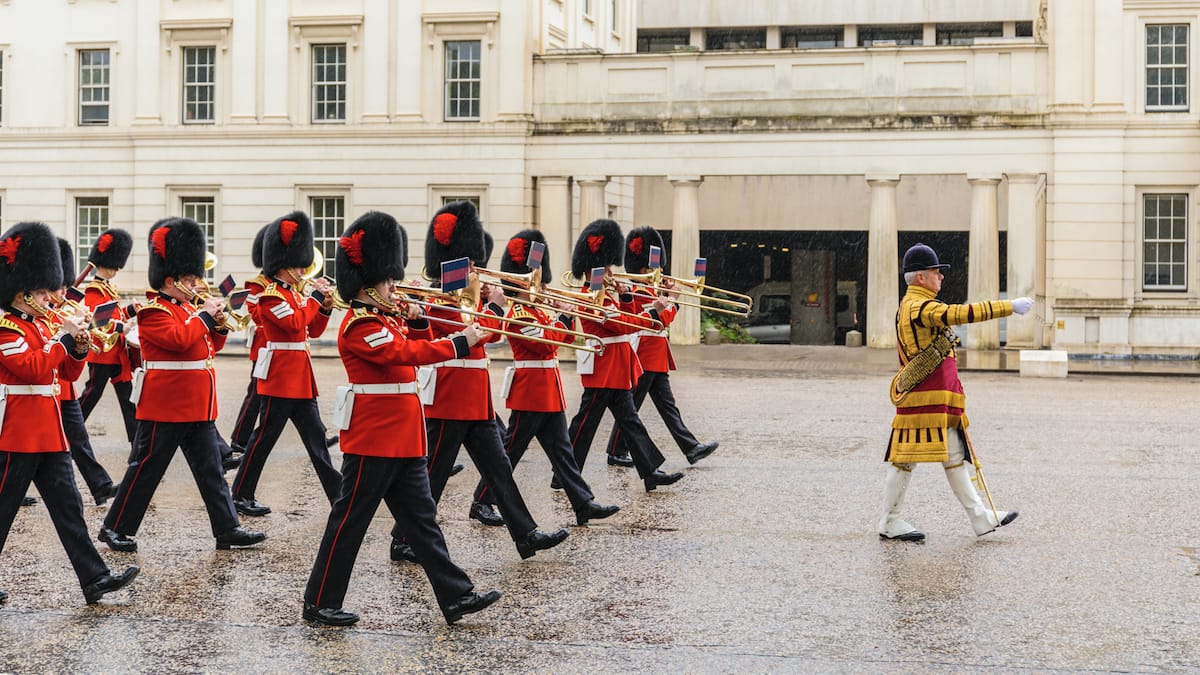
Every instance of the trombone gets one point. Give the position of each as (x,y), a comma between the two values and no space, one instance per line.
(595,299)
(540,296)
(739,304)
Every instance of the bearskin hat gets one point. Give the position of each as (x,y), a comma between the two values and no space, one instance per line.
(29,261)
(370,251)
(515,256)
(455,232)
(67,256)
(288,242)
(256,248)
(111,249)
(637,249)
(599,245)
(177,247)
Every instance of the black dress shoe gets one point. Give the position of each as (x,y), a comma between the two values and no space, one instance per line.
(555,483)
(239,536)
(107,583)
(659,478)
(229,462)
(402,552)
(1008,518)
(3,596)
(238,448)
(468,604)
(250,507)
(539,541)
(116,541)
(701,451)
(331,441)
(620,460)
(594,511)
(104,494)
(330,616)
(486,514)
(915,536)
(456,469)
(28,501)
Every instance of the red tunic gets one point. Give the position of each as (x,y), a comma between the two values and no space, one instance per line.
(463,393)
(256,286)
(289,318)
(618,367)
(654,348)
(374,349)
(98,292)
(536,389)
(30,356)
(172,330)
(68,372)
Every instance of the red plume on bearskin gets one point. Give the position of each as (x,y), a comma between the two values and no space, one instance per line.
(600,244)
(637,249)
(594,243)
(104,242)
(8,249)
(635,246)
(352,245)
(287,230)
(517,250)
(287,243)
(111,249)
(159,240)
(443,228)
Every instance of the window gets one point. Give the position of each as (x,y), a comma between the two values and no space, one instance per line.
(329,83)
(1167,67)
(199,84)
(965,33)
(328,221)
(463,80)
(747,38)
(203,211)
(812,37)
(91,218)
(899,35)
(93,86)
(1164,242)
(661,40)
(1024,29)
(474,199)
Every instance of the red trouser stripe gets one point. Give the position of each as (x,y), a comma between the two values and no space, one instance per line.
(133,481)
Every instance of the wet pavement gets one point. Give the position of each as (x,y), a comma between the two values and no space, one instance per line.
(764,558)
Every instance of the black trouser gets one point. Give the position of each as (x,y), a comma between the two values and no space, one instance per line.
(403,483)
(55,480)
(98,376)
(306,417)
(658,385)
(482,441)
(247,414)
(81,449)
(550,429)
(645,454)
(153,449)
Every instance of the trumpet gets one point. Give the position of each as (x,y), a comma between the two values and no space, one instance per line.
(228,320)
(102,340)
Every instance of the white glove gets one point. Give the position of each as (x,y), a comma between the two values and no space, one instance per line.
(1022,305)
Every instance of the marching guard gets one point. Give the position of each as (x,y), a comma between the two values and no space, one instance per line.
(609,384)
(931,421)
(252,404)
(458,396)
(108,256)
(534,392)
(382,426)
(654,353)
(286,384)
(33,447)
(176,396)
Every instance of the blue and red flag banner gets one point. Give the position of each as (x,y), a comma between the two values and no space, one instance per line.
(74,294)
(655,257)
(454,274)
(227,285)
(237,299)
(537,251)
(701,267)
(596,280)
(104,313)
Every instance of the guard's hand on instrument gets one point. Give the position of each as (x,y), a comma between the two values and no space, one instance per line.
(213,306)
(660,304)
(623,288)
(413,312)
(1022,305)
(495,295)
(562,305)
(326,289)
(474,334)
(74,324)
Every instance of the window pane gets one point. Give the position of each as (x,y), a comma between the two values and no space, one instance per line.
(93,86)
(328,219)
(328,98)
(1164,245)
(463,80)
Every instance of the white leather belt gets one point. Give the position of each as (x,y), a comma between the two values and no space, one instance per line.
(463,363)
(652,333)
(204,364)
(385,388)
(31,389)
(536,364)
(616,339)
(287,346)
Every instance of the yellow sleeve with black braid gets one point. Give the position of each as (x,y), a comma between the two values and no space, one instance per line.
(936,314)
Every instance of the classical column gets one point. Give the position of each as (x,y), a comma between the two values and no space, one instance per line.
(983,276)
(592,204)
(554,221)
(685,248)
(883,265)
(1026,255)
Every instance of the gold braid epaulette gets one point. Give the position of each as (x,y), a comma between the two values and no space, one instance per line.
(922,365)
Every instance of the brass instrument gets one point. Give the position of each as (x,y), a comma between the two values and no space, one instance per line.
(102,340)
(229,321)
(595,299)
(739,304)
